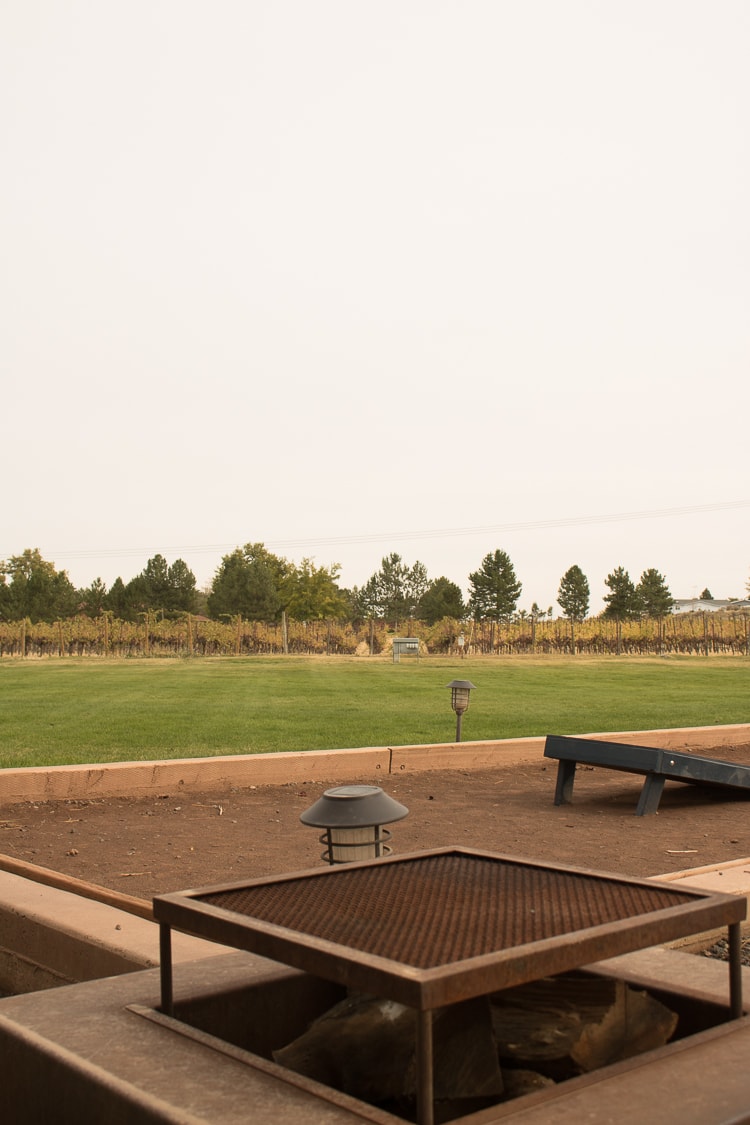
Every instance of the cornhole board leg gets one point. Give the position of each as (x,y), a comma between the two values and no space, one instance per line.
(566,773)
(653,787)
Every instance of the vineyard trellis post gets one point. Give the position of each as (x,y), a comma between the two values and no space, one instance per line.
(147,631)
(284,634)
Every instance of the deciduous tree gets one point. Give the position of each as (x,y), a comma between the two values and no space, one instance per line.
(311,593)
(36,589)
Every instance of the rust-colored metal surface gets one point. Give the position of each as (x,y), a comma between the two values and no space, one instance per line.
(436,927)
(468,906)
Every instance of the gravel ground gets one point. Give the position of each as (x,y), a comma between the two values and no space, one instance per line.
(720,950)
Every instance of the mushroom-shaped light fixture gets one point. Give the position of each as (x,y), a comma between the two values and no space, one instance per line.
(353,817)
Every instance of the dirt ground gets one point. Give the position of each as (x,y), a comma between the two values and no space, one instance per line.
(171,841)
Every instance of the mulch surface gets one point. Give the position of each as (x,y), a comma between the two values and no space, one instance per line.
(172,841)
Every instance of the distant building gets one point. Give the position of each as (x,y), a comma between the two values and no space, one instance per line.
(710,605)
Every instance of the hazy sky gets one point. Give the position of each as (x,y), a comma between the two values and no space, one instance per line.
(350,277)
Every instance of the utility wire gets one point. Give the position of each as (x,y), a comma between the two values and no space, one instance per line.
(401,536)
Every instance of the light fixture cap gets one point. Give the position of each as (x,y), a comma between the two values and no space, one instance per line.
(461,685)
(353,806)
(460,694)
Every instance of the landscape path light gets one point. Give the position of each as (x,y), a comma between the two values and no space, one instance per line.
(460,691)
(353,817)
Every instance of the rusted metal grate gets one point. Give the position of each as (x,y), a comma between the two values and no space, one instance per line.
(436,910)
(438,927)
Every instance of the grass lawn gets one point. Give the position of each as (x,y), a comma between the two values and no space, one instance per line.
(85,711)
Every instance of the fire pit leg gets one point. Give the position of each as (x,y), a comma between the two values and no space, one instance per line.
(425,1087)
(165,968)
(735,971)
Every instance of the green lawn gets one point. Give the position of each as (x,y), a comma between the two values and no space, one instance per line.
(71,711)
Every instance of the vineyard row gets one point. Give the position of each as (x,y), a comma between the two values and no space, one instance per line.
(683,634)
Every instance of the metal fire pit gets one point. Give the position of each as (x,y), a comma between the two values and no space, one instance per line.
(436,927)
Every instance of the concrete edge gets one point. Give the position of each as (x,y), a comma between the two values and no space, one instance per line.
(663,968)
(52,937)
(143,779)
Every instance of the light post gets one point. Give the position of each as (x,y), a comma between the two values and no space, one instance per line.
(460,691)
(353,817)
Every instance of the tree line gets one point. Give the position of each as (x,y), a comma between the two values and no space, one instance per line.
(254,584)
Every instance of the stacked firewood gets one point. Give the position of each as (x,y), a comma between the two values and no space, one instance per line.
(486,1050)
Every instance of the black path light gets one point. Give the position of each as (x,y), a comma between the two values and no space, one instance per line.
(460,691)
(353,817)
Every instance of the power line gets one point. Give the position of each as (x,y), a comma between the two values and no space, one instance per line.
(402,536)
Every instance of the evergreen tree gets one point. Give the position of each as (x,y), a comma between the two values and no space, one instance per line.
(536,613)
(442,598)
(623,602)
(494,588)
(365,600)
(160,588)
(93,598)
(155,584)
(5,600)
(394,592)
(573,598)
(181,594)
(117,601)
(247,583)
(138,598)
(653,593)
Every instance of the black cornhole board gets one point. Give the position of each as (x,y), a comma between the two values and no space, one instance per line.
(657,765)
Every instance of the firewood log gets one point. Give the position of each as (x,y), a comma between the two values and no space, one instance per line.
(574,1022)
(366,1047)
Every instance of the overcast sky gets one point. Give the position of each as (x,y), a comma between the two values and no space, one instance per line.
(350,277)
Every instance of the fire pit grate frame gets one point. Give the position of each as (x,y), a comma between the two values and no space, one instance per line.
(432,928)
